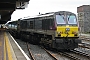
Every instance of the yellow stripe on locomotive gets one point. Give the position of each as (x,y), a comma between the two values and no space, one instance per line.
(67,31)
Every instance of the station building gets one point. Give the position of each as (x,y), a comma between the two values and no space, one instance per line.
(84,18)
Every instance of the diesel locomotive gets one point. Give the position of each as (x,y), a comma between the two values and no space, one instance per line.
(57,30)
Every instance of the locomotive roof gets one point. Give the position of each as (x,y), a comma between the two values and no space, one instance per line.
(9,22)
(41,15)
(47,14)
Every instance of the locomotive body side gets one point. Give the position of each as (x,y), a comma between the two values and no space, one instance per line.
(54,30)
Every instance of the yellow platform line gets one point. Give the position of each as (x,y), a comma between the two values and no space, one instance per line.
(4,51)
(8,48)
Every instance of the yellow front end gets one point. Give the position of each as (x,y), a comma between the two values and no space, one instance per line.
(67,31)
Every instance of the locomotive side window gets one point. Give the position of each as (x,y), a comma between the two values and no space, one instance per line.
(15,26)
(9,25)
(44,24)
(28,24)
(47,24)
(38,24)
(31,24)
(23,24)
(52,23)
(12,26)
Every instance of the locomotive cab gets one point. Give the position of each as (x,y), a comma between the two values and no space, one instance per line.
(66,26)
(67,33)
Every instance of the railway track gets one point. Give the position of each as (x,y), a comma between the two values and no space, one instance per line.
(72,55)
(84,45)
(83,54)
(37,53)
(85,42)
(84,38)
(30,53)
(52,55)
(75,55)
(85,48)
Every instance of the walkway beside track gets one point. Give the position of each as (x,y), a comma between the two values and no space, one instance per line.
(9,48)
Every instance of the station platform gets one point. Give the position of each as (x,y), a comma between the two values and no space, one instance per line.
(9,48)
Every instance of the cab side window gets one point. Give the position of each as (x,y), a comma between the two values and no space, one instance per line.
(31,24)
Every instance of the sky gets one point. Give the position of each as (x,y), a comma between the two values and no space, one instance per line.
(44,6)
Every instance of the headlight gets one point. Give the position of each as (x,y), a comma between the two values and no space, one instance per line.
(67,29)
